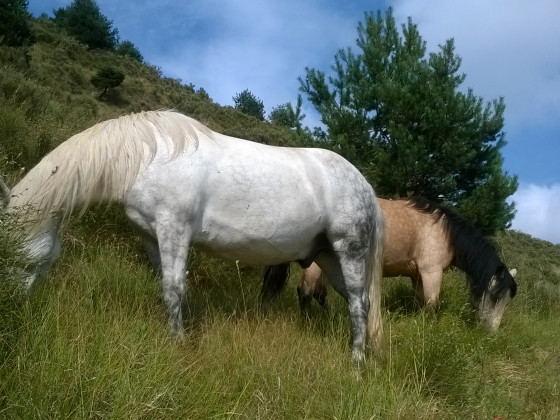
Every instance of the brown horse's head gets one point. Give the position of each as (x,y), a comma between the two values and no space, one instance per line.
(492,304)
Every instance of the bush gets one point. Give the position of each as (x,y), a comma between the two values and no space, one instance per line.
(106,78)
(127,49)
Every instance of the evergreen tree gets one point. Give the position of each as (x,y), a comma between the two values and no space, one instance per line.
(249,104)
(14,22)
(107,78)
(84,20)
(400,117)
(286,116)
(127,49)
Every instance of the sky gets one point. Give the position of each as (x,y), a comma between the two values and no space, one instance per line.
(509,48)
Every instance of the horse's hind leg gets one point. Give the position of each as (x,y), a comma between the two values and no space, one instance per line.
(173,250)
(348,278)
(311,285)
(320,292)
(304,295)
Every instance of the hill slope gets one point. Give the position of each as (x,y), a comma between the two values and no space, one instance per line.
(46,96)
(91,341)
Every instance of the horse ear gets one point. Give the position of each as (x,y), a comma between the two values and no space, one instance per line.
(513,272)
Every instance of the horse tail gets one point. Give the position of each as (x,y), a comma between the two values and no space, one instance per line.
(375,275)
(275,278)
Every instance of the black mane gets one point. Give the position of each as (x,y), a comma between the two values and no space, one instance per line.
(472,252)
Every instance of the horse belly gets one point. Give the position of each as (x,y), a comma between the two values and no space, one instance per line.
(244,201)
(400,268)
(256,237)
(254,253)
(398,256)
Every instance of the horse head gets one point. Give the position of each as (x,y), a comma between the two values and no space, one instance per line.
(501,289)
(41,248)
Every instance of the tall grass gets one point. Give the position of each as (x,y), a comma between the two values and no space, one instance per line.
(11,294)
(91,342)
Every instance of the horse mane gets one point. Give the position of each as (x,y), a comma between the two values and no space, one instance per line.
(472,252)
(101,163)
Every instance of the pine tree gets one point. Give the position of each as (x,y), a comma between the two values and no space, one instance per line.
(400,116)
(107,78)
(249,104)
(14,23)
(83,19)
(286,116)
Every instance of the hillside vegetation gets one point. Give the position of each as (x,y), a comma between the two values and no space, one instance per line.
(91,340)
(46,96)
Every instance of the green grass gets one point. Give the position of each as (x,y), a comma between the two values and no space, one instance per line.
(91,342)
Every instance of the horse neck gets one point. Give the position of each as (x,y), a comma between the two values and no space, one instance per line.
(479,262)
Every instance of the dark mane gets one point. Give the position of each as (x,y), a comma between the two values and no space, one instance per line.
(472,252)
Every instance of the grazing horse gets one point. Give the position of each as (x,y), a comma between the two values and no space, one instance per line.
(422,239)
(183,185)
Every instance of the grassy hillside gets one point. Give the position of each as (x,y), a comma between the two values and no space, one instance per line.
(46,96)
(91,341)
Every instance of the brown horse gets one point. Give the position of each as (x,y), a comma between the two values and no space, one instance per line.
(422,239)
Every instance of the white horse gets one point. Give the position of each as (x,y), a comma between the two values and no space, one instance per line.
(183,185)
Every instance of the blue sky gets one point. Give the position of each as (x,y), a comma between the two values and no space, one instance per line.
(509,48)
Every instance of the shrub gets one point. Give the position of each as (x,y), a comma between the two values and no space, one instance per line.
(106,78)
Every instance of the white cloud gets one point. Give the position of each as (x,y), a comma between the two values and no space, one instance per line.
(509,48)
(261,46)
(538,211)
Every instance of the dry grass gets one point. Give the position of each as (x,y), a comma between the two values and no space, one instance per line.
(92,342)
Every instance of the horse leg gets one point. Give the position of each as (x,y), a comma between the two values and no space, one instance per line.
(152,251)
(173,251)
(348,278)
(304,292)
(43,251)
(320,291)
(418,289)
(431,285)
(311,285)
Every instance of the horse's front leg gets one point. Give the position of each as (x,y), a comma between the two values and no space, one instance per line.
(152,250)
(173,241)
(431,286)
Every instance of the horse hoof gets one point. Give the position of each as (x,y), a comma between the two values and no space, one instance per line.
(358,357)
(177,334)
